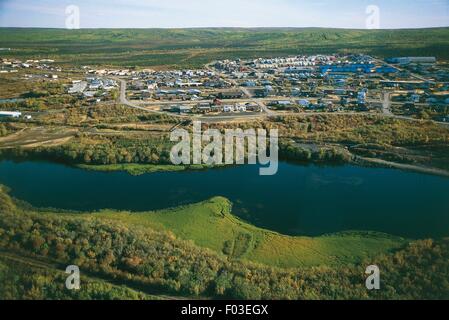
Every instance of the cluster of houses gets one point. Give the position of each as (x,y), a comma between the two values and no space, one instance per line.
(109,72)
(14,65)
(336,67)
(290,62)
(318,104)
(92,88)
(302,65)
(431,98)
(216,107)
(266,64)
(434,99)
(177,84)
(331,82)
(291,77)
(357,68)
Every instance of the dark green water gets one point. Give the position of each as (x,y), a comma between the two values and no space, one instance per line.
(299,200)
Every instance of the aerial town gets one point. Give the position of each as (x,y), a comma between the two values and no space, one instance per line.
(403,86)
(225,159)
(218,158)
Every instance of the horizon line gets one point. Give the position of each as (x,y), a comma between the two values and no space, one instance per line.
(245,28)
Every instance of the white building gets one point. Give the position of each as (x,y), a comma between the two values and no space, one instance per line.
(12,114)
(228,108)
(78,87)
(361,97)
(152,86)
(89,94)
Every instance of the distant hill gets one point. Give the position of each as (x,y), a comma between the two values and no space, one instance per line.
(194,47)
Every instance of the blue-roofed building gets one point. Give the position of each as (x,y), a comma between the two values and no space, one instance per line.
(386,69)
(249,84)
(346,68)
(410,60)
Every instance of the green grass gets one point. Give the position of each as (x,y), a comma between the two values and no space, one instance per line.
(211,224)
(195,47)
(140,169)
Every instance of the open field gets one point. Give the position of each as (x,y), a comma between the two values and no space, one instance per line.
(38,137)
(196,47)
(212,225)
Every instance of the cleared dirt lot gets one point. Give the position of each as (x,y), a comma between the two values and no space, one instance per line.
(38,136)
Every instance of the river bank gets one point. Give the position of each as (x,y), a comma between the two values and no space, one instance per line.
(401,166)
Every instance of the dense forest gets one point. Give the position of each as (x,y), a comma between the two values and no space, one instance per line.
(158,262)
(24,281)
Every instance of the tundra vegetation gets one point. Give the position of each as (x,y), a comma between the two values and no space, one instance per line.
(129,248)
(143,139)
(192,48)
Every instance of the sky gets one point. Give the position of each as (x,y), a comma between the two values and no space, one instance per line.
(226,13)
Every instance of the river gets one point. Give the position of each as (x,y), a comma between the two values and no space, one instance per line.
(299,200)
